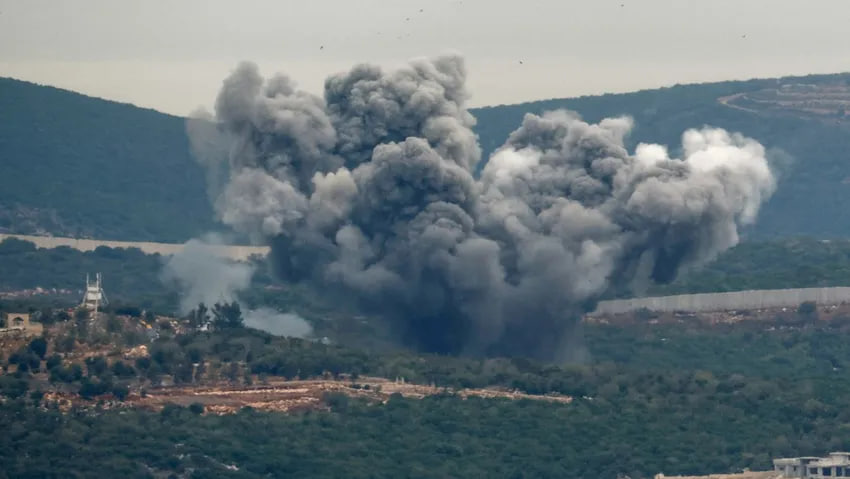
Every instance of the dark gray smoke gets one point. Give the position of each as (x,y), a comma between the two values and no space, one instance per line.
(369,194)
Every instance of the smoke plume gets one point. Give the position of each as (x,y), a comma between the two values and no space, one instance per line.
(202,276)
(368,193)
(279,324)
(209,148)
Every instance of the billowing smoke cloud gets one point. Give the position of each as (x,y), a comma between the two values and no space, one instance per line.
(368,193)
(202,276)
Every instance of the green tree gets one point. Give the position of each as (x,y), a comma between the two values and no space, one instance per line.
(120,391)
(53,361)
(12,387)
(38,346)
(807,308)
(199,317)
(96,365)
(227,316)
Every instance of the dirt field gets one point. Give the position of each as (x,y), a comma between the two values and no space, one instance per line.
(285,396)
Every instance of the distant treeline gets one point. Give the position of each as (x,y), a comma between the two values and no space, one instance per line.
(133,276)
(777,264)
(129,274)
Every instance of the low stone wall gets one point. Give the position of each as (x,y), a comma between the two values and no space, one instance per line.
(755,299)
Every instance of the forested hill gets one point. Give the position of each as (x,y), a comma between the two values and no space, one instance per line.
(80,166)
(811,128)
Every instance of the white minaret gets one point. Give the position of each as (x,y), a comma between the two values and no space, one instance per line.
(94,296)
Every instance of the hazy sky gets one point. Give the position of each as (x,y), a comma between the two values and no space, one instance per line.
(172,55)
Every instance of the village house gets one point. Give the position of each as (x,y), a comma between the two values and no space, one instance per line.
(837,464)
(19,323)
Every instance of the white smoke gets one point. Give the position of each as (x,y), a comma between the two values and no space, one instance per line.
(279,324)
(201,275)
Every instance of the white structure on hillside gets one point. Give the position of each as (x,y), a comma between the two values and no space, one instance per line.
(94,297)
(837,464)
(729,301)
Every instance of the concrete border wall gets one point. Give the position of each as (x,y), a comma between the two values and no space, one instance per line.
(755,299)
(239,253)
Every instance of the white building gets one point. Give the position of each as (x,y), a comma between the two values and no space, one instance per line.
(837,464)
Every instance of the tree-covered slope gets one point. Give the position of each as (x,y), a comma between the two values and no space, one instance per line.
(77,165)
(673,398)
(81,166)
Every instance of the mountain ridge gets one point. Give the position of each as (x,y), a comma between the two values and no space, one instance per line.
(84,166)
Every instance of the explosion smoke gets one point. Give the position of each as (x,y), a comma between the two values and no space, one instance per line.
(203,277)
(368,192)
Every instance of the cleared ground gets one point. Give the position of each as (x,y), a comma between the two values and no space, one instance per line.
(829,102)
(280,395)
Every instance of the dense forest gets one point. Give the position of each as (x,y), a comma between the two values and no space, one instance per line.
(678,398)
(81,166)
(653,398)
(433,437)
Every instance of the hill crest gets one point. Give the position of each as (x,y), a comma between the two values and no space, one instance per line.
(82,166)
